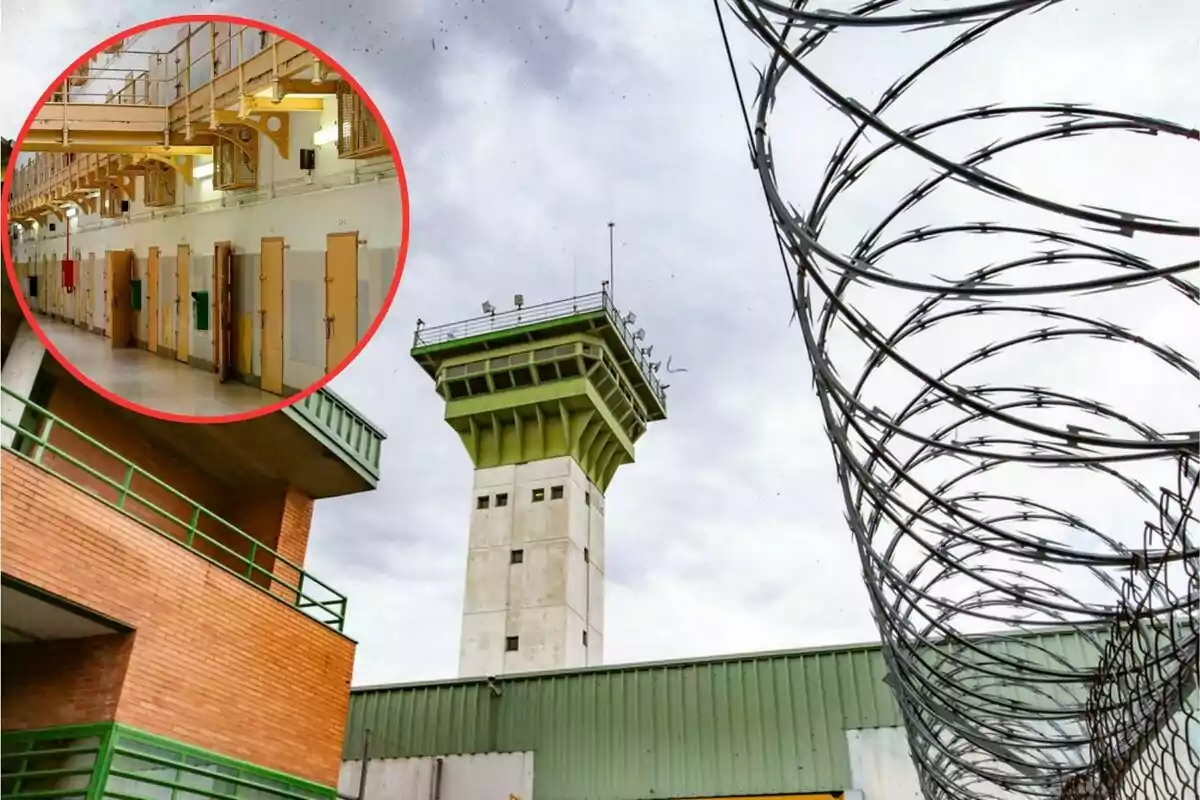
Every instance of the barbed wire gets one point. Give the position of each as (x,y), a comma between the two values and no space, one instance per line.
(924,456)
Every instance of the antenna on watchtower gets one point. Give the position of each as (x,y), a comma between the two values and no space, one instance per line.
(611,225)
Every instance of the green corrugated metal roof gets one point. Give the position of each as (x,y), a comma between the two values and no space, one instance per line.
(748,724)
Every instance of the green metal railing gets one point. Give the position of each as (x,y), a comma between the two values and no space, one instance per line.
(296,587)
(52,764)
(546,312)
(96,762)
(344,428)
(146,767)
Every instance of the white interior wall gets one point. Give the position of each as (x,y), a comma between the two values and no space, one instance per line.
(550,599)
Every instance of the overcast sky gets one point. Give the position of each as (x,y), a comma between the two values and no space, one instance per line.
(524,128)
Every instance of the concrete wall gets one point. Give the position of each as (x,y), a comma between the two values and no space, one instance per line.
(487,776)
(556,594)
(340,195)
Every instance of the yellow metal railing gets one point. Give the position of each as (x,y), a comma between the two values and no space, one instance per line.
(182,81)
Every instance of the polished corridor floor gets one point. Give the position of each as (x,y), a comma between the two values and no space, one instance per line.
(151,380)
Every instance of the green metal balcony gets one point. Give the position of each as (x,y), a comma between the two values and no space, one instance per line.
(202,532)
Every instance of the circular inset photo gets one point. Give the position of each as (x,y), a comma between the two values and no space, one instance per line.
(207,219)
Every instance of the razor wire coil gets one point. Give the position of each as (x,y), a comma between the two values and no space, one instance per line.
(1036,647)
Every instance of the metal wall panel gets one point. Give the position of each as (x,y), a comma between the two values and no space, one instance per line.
(770,723)
(752,725)
(488,776)
(880,766)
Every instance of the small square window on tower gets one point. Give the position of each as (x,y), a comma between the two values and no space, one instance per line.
(556,493)
(539,495)
(512,644)
(517,557)
(501,500)
(481,502)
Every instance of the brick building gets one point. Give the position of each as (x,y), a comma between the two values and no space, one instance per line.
(161,636)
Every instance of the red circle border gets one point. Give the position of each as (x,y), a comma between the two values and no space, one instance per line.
(362,343)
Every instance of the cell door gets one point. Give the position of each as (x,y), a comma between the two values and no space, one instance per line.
(270,314)
(341,297)
(223,309)
(120,314)
(43,283)
(89,288)
(55,285)
(79,306)
(183,303)
(152,300)
(60,294)
(104,309)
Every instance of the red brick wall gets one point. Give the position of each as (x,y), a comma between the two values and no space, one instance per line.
(65,682)
(259,512)
(153,503)
(215,663)
(293,543)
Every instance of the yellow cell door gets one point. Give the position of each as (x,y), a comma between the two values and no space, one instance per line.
(120,315)
(89,292)
(152,300)
(271,314)
(222,316)
(80,308)
(55,286)
(104,309)
(183,303)
(341,297)
(43,303)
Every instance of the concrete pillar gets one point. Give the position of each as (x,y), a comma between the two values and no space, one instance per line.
(19,372)
(535,570)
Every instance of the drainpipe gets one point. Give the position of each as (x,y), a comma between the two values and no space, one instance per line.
(438,764)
